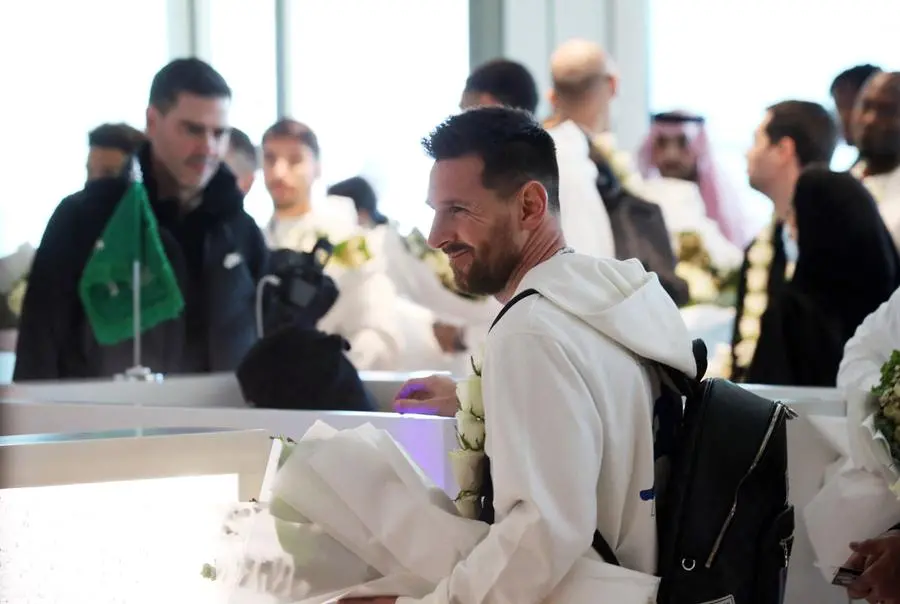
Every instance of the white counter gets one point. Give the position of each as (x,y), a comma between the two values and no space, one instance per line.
(120,517)
(427,439)
(213,390)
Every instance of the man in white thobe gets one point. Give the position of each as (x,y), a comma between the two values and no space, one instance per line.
(876,133)
(365,313)
(569,376)
(677,149)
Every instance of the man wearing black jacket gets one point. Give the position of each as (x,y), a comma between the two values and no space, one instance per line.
(215,248)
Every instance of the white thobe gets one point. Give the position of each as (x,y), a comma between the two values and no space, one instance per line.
(877,337)
(583,217)
(684,211)
(365,313)
(885,188)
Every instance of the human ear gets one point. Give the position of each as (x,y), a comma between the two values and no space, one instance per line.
(533,204)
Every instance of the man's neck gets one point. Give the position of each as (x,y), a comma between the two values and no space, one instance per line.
(168,188)
(298,209)
(782,195)
(561,116)
(543,245)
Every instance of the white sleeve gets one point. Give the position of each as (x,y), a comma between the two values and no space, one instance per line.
(372,327)
(583,217)
(871,346)
(543,437)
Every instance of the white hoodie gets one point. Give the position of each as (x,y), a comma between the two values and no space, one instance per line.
(569,383)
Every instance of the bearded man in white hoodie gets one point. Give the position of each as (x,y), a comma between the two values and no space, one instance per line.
(569,375)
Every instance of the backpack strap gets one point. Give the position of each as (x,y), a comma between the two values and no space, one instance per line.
(515,300)
(599,543)
(685,384)
(602,547)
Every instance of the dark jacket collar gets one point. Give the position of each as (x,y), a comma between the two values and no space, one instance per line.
(221,199)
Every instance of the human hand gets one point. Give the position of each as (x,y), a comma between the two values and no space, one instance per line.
(880,560)
(433,395)
(449,337)
(377,600)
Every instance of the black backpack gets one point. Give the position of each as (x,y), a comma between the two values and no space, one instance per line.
(725,526)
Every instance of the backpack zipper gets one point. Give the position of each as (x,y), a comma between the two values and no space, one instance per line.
(780,412)
(785,546)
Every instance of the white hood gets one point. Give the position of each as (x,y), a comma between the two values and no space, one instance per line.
(622,301)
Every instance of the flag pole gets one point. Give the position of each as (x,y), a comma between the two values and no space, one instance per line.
(138,372)
(136,306)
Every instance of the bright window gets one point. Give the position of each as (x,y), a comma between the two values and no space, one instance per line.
(730,60)
(372,78)
(68,68)
(242,48)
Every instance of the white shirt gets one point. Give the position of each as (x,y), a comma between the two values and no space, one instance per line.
(885,188)
(583,216)
(365,313)
(684,211)
(568,397)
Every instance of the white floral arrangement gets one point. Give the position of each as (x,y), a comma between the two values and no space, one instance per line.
(268,548)
(349,253)
(468,461)
(756,296)
(879,431)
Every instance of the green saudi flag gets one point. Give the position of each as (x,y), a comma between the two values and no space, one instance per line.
(107,284)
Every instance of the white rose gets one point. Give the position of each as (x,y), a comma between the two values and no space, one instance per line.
(757,279)
(477,361)
(755,303)
(749,328)
(744,351)
(468,393)
(468,468)
(469,506)
(470,431)
(760,254)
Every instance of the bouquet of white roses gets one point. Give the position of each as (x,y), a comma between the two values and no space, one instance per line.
(862,499)
(270,553)
(876,416)
(377,526)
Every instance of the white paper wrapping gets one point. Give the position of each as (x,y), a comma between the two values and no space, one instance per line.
(855,502)
(391,531)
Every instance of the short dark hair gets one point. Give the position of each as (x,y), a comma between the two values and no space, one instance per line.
(192,76)
(514,148)
(507,81)
(809,125)
(855,77)
(290,128)
(241,143)
(120,136)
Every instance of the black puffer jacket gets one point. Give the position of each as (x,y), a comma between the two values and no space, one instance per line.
(217,252)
